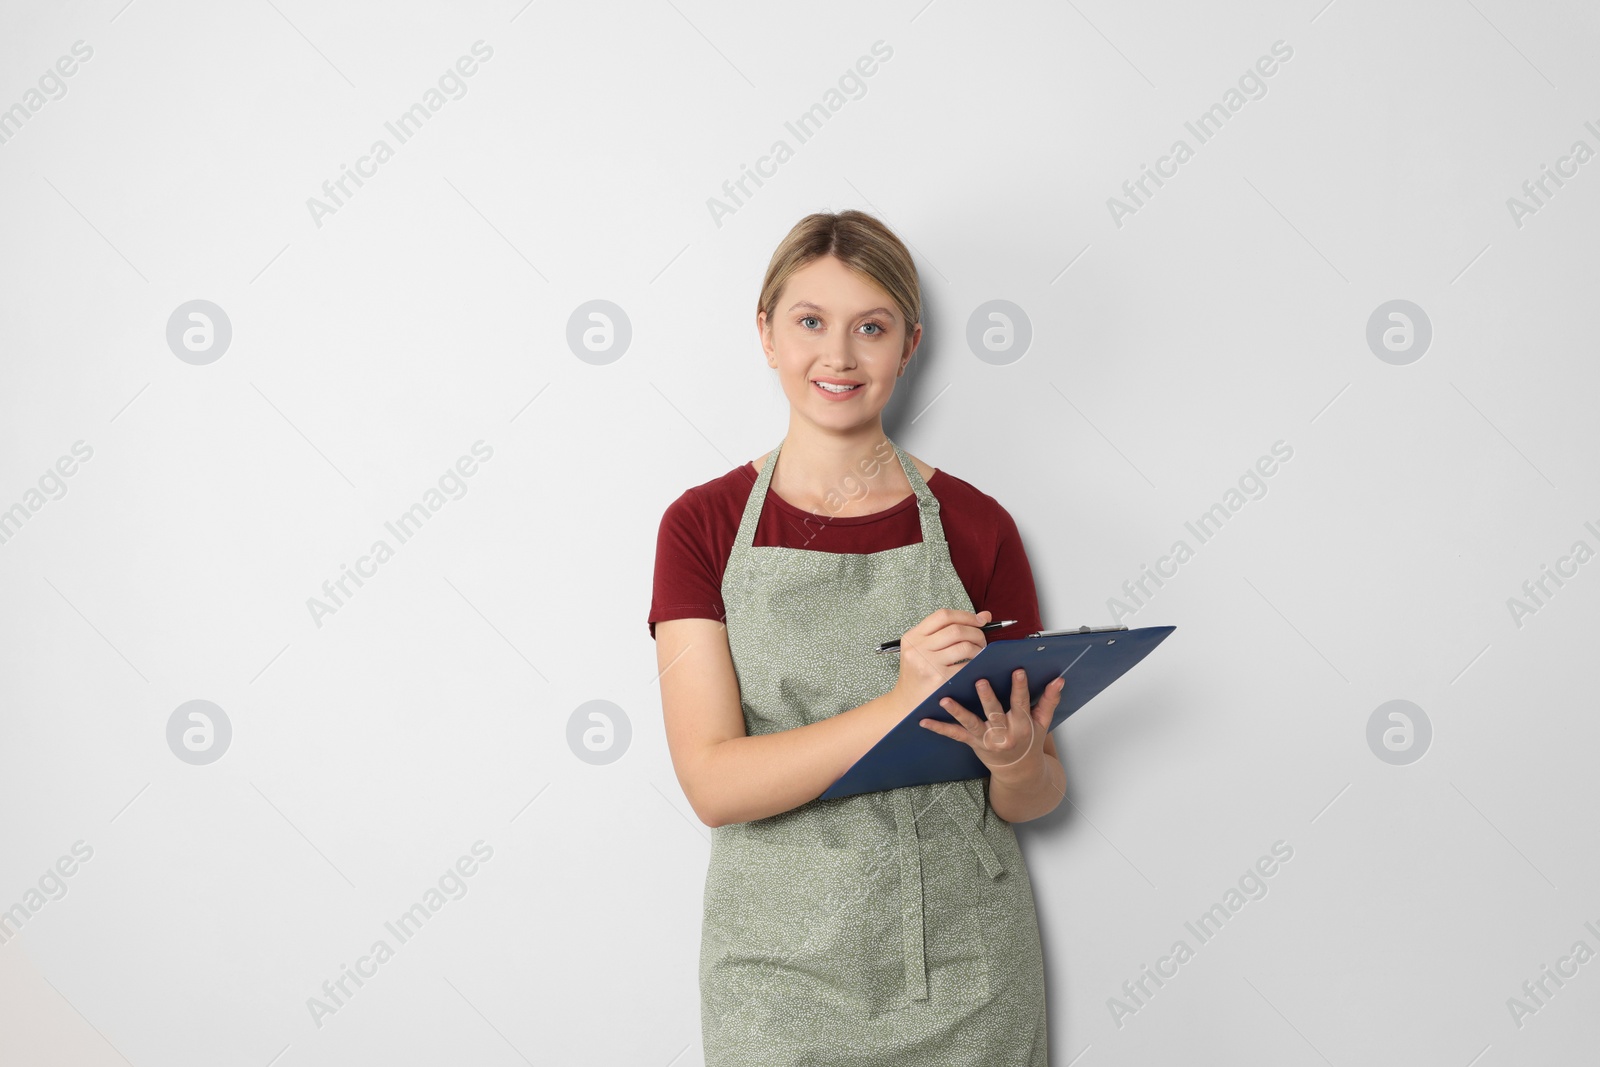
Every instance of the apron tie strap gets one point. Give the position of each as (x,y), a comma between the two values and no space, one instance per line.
(909,852)
(986,856)
(909,849)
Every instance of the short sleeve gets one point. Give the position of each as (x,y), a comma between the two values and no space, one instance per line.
(689,565)
(1011,593)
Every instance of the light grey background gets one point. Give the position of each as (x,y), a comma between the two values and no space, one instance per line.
(430,311)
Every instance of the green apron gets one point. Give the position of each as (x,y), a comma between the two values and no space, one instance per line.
(886,929)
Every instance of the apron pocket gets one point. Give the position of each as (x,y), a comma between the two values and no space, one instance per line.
(796,933)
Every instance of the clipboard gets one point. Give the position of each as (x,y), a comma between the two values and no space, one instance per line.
(910,754)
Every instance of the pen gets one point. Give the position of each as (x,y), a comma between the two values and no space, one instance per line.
(894,646)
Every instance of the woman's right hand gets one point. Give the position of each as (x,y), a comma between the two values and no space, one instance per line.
(933,650)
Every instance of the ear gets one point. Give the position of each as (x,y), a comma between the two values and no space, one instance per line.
(913,339)
(764,334)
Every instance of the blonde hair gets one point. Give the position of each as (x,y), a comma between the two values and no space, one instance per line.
(858,240)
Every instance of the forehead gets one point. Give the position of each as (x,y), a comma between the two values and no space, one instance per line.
(827,283)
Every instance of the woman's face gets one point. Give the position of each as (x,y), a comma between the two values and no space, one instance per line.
(834,324)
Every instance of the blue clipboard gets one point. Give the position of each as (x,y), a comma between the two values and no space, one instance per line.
(911,754)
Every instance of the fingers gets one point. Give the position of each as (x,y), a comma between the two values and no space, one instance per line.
(1001,742)
(947,638)
(995,716)
(959,630)
(998,738)
(986,698)
(952,642)
(992,738)
(938,620)
(950,618)
(1019,692)
(1046,709)
(958,711)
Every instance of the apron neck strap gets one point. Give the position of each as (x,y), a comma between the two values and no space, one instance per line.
(927,503)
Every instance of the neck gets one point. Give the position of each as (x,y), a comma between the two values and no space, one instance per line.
(815,463)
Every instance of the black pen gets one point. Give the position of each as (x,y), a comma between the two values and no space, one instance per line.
(894,646)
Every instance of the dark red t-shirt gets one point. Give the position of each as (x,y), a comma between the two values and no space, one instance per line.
(698,529)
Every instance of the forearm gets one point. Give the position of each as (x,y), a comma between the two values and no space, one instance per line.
(747,778)
(1031,791)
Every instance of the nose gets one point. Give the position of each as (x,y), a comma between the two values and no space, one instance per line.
(838,353)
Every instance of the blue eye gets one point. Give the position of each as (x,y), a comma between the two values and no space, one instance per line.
(807,318)
(874,324)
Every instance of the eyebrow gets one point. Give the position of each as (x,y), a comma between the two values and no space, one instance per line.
(816,307)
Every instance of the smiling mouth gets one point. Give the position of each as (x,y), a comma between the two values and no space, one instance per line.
(836,390)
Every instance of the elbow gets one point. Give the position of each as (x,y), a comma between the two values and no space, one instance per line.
(708,817)
(706,807)
(714,808)
(703,788)
(713,819)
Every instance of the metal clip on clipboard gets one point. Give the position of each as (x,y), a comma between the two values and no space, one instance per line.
(1079,630)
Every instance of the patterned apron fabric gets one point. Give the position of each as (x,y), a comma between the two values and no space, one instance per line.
(887,929)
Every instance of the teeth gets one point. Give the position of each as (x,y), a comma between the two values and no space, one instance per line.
(837,388)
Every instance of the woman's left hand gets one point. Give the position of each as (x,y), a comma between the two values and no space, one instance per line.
(1007,740)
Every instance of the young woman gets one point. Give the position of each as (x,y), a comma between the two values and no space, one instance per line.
(888,928)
